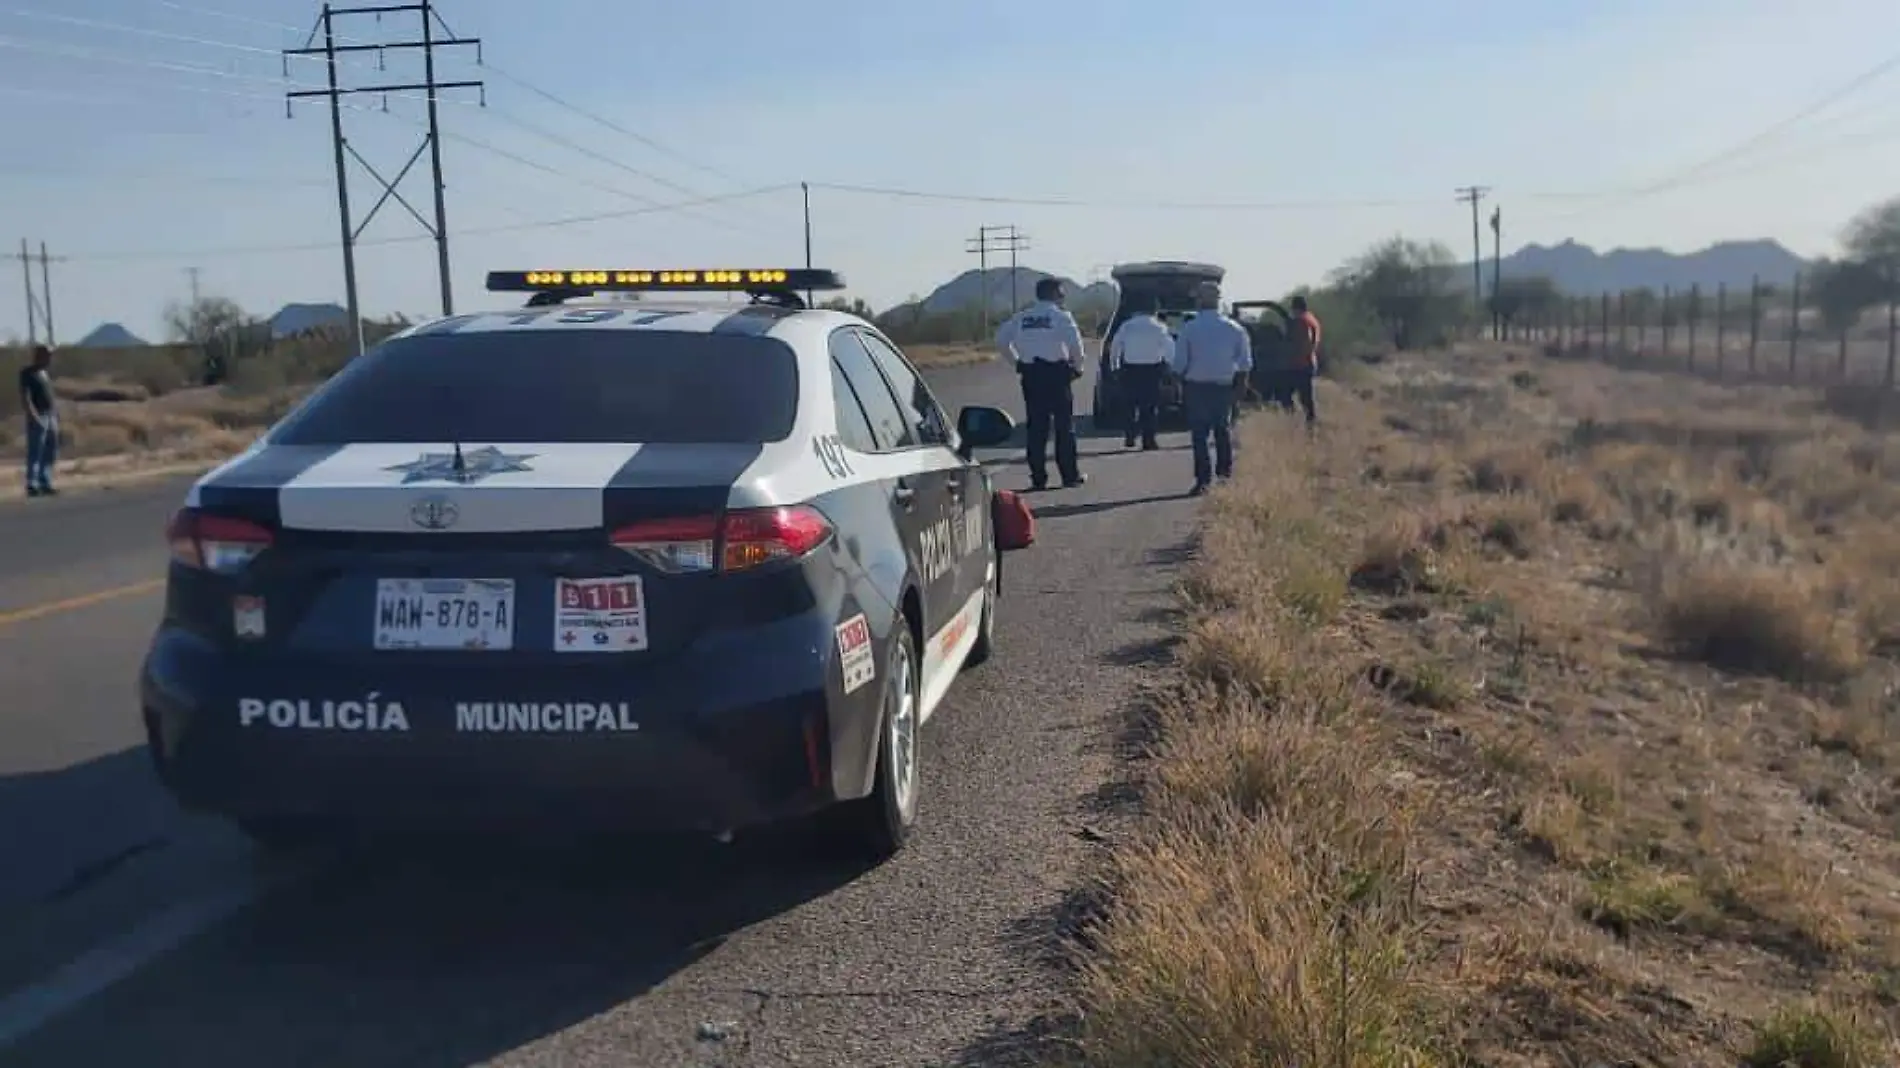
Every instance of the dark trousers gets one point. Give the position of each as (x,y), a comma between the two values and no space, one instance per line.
(1295,384)
(1141,402)
(1049,403)
(42,452)
(1210,411)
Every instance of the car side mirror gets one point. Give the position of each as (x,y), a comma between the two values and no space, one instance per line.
(982,427)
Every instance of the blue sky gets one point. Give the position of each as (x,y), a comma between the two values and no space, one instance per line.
(140,154)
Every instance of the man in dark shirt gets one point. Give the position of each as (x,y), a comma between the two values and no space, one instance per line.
(42,422)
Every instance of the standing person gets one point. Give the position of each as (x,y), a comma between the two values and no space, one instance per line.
(1296,378)
(1045,344)
(1212,354)
(1138,356)
(42,422)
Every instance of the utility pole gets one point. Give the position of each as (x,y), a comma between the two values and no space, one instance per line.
(998,239)
(192,273)
(32,304)
(805,188)
(1472,194)
(432,142)
(1497,270)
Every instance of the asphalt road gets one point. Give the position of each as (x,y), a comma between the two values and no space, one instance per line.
(131,934)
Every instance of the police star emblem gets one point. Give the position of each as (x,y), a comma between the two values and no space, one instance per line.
(460,467)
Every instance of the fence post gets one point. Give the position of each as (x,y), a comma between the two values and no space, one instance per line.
(1623,321)
(1794,330)
(1667,322)
(1603,321)
(1754,322)
(1840,370)
(1695,312)
(1721,326)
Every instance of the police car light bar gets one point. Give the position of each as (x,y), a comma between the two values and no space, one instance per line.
(764,280)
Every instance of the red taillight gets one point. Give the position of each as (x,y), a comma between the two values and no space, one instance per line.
(740,540)
(214,542)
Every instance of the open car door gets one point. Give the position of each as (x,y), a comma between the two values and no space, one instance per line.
(1269,328)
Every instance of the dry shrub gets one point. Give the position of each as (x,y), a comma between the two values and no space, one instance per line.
(1812,1036)
(1754,620)
(1514,524)
(1577,497)
(1267,919)
(1265,915)
(1399,556)
(1517,470)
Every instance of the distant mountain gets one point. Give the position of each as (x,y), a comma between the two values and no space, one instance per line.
(109,336)
(1578,268)
(294,319)
(1007,291)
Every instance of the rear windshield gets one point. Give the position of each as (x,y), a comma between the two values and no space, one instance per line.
(560,385)
(1168,293)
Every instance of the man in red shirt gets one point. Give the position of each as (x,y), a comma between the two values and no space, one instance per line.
(1296,377)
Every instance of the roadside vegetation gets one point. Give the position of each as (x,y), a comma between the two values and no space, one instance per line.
(1535,712)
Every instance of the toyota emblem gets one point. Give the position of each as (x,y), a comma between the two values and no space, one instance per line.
(434,513)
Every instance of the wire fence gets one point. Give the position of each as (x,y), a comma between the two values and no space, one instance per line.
(1760,332)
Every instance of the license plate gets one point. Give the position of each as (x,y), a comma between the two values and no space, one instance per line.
(445,614)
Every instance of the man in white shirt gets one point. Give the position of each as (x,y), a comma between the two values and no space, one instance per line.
(1138,354)
(1045,344)
(1212,354)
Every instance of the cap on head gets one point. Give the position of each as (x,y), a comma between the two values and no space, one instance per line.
(1049,289)
(1298,303)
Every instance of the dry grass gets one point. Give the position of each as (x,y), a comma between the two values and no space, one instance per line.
(1555,727)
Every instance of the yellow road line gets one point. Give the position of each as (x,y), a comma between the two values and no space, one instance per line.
(51,608)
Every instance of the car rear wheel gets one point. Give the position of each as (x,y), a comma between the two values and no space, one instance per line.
(875,827)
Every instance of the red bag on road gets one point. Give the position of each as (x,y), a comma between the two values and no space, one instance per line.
(1015,522)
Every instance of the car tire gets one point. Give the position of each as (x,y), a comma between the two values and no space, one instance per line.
(875,827)
(985,646)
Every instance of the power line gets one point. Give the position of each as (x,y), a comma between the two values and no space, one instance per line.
(611,125)
(1074,202)
(386,92)
(565,176)
(474,231)
(1743,147)
(341,62)
(498,72)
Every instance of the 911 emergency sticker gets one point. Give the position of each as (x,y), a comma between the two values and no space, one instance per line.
(854,653)
(600,615)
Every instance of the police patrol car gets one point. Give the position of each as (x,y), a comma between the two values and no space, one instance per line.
(600,565)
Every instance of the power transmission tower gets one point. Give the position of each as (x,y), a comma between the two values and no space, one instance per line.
(990,239)
(39,308)
(192,273)
(427,43)
(1472,194)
